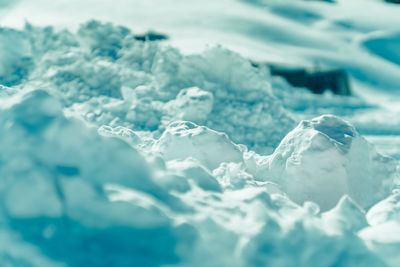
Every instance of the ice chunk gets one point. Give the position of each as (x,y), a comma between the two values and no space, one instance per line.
(325,158)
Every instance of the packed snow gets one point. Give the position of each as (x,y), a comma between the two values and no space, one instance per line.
(122,152)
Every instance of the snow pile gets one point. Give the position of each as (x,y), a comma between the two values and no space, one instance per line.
(325,158)
(105,75)
(116,152)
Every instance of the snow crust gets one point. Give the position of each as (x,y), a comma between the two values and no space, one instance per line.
(116,152)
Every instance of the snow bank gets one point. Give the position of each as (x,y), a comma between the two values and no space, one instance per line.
(146,86)
(116,152)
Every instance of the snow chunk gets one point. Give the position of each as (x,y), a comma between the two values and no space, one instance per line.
(232,175)
(185,139)
(191,104)
(325,158)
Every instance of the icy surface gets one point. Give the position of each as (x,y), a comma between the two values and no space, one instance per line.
(117,152)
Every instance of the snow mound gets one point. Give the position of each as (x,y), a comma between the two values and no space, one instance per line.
(132,154)
(325,158)
(105,75)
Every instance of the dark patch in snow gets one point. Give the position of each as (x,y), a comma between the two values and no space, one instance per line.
(318,82)
(150,37)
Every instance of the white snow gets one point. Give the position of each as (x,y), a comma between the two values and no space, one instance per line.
(325,158)
(117,152)
(182,140)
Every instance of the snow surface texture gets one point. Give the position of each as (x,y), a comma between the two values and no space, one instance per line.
(116,152)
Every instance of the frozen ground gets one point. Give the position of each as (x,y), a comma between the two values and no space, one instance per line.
(117,152)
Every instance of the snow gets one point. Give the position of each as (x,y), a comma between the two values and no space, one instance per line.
(209,147)
(385,210)
(191,104)
(324,159)
(118,152)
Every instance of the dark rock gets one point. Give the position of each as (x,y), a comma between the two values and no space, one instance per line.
(151,36)
(393,1)
(318,82)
